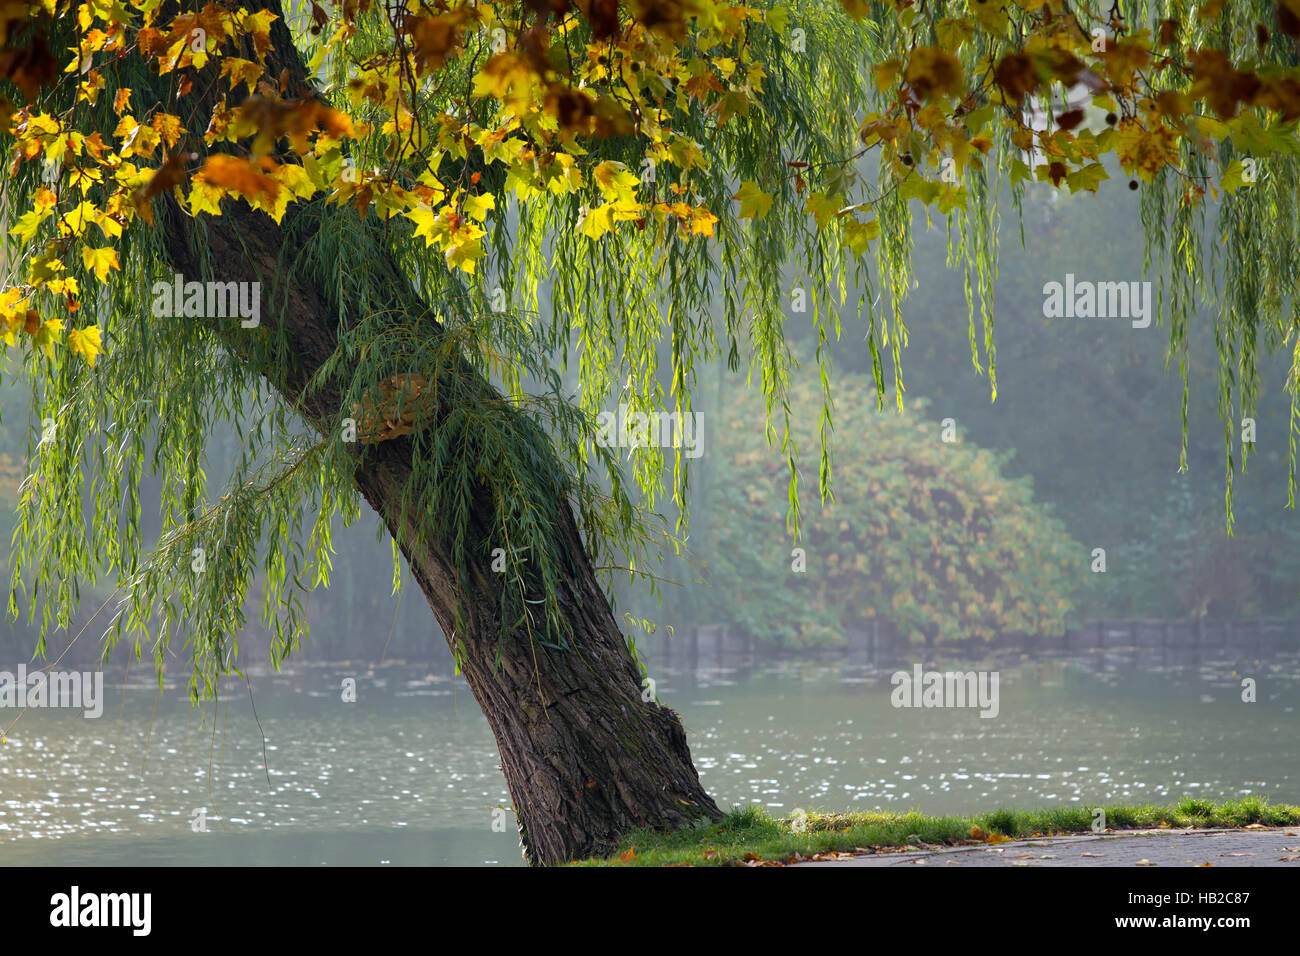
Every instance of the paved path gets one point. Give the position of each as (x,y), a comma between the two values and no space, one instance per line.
(1273,847)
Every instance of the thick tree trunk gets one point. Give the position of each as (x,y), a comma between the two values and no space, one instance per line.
(585,758)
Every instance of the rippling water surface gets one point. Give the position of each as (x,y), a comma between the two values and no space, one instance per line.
(408,774)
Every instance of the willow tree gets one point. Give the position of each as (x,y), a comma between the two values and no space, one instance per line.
(429,208)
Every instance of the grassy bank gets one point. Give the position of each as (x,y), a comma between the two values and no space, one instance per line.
(749,836)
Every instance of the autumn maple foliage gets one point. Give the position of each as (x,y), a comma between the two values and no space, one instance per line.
(533,93)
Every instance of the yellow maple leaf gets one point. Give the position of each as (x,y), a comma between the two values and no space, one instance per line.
(259,25)
(100,260)
(505,77)
(702,222)
(597,221)
(241,71)
(523,179)
(1121,60)
(86,342)
(754,203)
(934,72)
(858,235)
(44,336)
(28,223)
(476,207)
(13,314)
(563,175)
(1145,151)
(297,185)
(168,127)
(952,32)
(44,199)
(76,220)
(427,224)
(234,174)
(615,181)
(823,207)
(205,197)
(465,251)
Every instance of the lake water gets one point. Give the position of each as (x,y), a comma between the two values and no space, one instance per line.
(408,774)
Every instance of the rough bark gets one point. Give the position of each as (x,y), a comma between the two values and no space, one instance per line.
(584,757)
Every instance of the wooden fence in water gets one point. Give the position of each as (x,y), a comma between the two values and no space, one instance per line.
(724,646)
(882,641)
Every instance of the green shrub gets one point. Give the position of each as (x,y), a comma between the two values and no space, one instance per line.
(925,533)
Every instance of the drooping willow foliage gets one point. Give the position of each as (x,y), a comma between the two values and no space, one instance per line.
(634,313)
(1236,258)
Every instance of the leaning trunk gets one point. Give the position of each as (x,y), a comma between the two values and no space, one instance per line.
(585,757)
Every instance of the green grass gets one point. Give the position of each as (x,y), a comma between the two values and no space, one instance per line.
(750,834)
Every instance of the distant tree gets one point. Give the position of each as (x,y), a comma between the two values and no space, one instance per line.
(923,532)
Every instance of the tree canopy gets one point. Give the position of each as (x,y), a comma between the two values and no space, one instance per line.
(924,531)
(618,185)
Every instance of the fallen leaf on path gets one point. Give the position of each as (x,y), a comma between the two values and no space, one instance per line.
(1144,863)
(1289,858)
